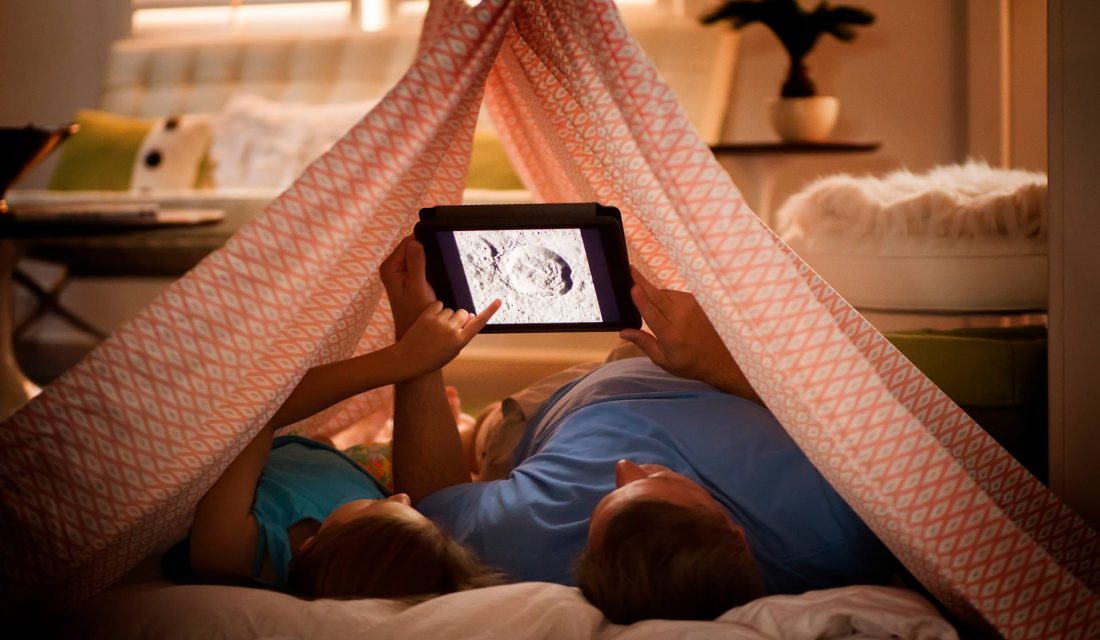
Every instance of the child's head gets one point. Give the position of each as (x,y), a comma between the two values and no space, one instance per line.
(383,549)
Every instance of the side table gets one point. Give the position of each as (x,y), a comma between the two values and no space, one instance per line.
(146,247)
(760,164)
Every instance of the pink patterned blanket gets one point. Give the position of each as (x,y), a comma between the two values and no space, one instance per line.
(111,458)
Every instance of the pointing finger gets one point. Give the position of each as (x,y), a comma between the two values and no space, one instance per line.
(478,322)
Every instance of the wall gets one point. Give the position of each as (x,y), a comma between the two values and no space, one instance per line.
(53,57)
(1007,81)
(901,82)
(1074,270)
(1028,84)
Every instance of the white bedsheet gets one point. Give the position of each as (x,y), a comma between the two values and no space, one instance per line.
(522,611)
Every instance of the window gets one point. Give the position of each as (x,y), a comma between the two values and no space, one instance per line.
(150,18)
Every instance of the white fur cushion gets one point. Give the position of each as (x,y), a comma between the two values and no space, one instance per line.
(950,209)
(260,143)
(959,238)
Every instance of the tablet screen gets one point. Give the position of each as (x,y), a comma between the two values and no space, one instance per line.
(542,276)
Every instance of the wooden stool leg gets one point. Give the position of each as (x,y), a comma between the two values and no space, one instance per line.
(15,388)
(49,301)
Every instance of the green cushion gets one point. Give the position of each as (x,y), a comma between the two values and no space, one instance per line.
(489,165)
(991,367)
(997,375)
(100,156)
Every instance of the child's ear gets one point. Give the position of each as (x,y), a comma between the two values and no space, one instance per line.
(307,543)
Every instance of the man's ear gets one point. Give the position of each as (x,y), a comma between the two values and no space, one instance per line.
(738,530)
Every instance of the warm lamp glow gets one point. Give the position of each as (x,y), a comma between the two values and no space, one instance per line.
(291,15)
(161,20)
(336,13)
(373,14)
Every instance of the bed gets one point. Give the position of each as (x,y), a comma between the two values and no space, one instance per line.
(520,611)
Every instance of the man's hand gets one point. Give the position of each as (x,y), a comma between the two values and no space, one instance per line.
(684,342)
(403,275)
(439,334)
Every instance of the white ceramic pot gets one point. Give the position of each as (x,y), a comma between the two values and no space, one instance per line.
(805,119)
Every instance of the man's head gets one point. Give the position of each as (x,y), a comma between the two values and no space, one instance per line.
(383,549)
(660,546)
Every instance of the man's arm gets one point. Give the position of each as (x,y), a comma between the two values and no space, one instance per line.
(684,342)
(427,450)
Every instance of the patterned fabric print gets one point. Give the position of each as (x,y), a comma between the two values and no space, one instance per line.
(377,459)
(930,482)
(164,404)
(169,400)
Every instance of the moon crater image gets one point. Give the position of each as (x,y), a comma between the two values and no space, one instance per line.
(541,275)
(538,271)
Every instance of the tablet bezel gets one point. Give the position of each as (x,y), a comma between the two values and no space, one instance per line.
(612,242)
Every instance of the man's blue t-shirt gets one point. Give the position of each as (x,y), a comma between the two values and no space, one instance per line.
(534,524)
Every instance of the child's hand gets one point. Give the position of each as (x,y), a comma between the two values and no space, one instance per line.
(439,334)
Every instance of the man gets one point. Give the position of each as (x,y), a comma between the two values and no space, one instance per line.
(663,480)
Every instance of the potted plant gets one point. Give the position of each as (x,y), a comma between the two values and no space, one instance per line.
(800,114)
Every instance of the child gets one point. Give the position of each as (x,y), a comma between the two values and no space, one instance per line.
(307,518)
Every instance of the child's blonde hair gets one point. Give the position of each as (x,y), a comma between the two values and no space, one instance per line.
(386,556)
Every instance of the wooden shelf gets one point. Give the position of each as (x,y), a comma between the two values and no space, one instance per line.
(745,148)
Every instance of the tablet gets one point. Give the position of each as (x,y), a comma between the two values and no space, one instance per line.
(554,267)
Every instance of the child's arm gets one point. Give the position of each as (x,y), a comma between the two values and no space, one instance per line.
(436,336)
(325,385)
(225,534)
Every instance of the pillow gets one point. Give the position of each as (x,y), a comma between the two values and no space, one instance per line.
(171,154)
(259,143)
(100,156)
(119,153)
(957,239)
(952,207)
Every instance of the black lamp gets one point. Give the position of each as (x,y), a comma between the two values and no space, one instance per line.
(23,147)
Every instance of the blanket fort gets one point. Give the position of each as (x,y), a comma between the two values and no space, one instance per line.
(110,460)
